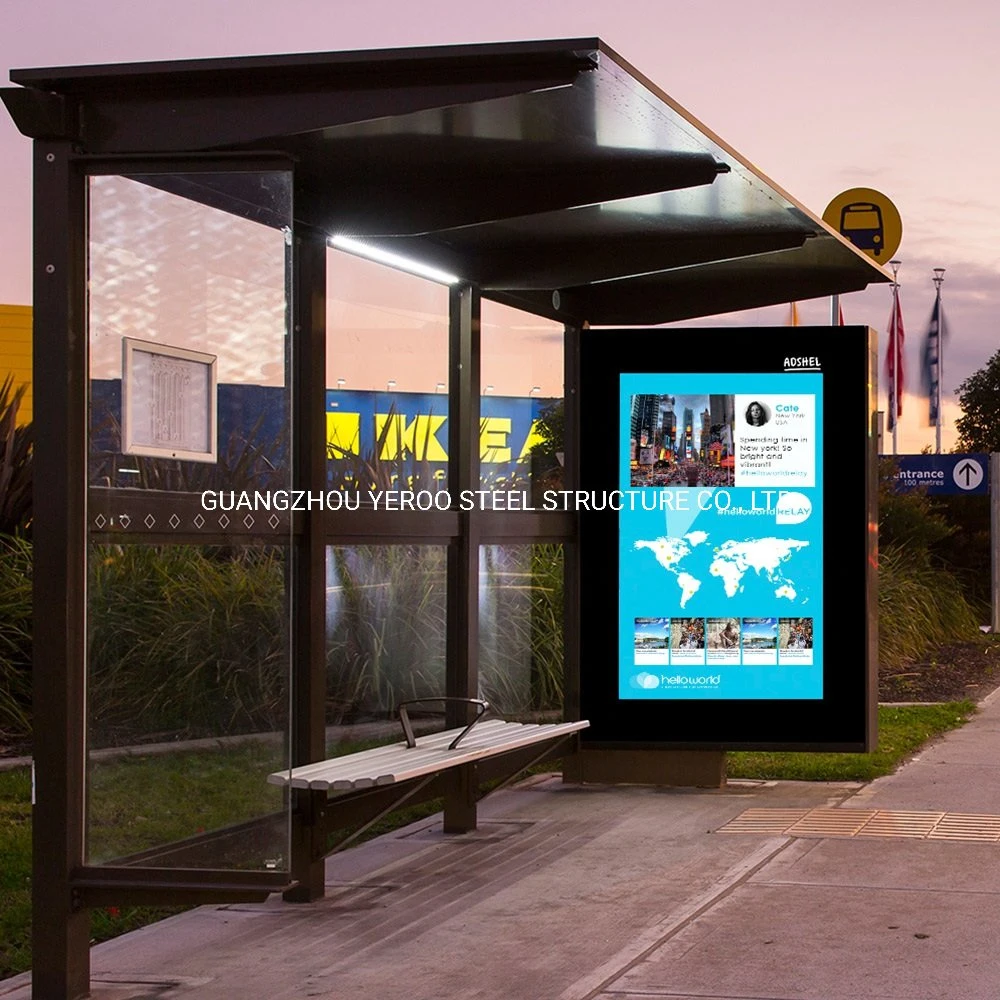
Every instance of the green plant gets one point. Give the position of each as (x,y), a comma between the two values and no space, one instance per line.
(245,462)
(187,641)
(386,614)
(911,518)
(15,636)
(551,429)
(392,464)
(15,462)
(15,871)
(520,632)
(920,606)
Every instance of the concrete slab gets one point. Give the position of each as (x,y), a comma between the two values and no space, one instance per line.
(559,888)
(579,893)
(828,943)
(937,866)
(937,785)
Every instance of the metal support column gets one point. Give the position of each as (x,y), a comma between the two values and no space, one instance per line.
(994,542)
(60,929)
(308,722)
(571,550)
(462,672)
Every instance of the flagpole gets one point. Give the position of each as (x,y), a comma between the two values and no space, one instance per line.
(894,347)
(938,280)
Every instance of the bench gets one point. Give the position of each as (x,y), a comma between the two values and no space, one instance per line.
(409,766)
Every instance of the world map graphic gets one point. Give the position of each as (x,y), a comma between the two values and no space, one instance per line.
(689,558)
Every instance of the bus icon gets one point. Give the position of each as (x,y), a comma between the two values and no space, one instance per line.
(861,223)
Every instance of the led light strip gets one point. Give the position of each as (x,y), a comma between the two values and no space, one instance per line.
(387,257)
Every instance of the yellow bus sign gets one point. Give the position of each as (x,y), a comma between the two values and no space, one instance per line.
(869,220)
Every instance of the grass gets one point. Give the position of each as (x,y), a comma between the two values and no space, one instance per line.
(15,871)
(142,802)
(902,731)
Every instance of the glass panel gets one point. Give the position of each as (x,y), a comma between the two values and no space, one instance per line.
(185,276)
(521,630)
(187,704)
(188,674)
(387,377)
(521,421)
(386,617)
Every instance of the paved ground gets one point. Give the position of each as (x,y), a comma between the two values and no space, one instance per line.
(594,893)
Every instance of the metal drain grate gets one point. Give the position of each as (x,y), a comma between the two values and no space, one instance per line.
(831,823)
(964,826)
(901,824)
(763,821)
(846,822)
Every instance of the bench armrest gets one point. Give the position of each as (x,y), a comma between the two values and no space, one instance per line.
(404,718)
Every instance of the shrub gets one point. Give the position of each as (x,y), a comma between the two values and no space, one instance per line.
(386,614)
(15,636)
(920,606)
(15,462)
(186,640)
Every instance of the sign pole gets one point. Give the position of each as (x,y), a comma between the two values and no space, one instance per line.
(897,356)
(938,280)
(995,541)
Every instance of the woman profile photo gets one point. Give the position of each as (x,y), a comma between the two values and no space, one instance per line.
(757,414)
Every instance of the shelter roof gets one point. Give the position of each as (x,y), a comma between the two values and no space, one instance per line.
(552,174)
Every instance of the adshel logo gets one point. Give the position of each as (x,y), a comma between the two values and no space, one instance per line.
(803,364)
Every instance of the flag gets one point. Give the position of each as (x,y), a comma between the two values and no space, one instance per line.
(894,361)
(931,369)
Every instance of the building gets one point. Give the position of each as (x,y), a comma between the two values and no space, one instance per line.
(15,353)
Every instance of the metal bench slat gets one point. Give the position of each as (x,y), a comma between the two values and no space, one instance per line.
(397,762)
(301,774)
(388,768)
(411,763)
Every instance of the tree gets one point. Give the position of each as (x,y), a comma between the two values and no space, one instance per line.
(979,397)
(551,428)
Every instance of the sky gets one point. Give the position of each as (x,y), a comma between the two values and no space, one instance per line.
(897,96)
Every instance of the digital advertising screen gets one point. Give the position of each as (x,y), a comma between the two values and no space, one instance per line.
(732,495)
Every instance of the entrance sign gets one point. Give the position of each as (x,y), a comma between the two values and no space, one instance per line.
(740,614)
(942,475)
(869,220)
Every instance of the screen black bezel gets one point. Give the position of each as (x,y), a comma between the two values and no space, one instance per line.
(841,718)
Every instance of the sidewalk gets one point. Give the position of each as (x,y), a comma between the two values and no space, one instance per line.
(580,893)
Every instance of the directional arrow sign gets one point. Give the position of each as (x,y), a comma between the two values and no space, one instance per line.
(968,474)
(941,474)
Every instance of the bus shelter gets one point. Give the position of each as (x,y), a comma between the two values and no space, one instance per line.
(226,346)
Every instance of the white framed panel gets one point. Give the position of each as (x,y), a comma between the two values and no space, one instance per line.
(169,402)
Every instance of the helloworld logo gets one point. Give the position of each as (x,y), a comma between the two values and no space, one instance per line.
(792,508)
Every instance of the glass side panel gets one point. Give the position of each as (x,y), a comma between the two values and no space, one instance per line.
(183,295)
(187,705)
(188,642)
(521,405)
(521,630)
(387,377)
(386,618)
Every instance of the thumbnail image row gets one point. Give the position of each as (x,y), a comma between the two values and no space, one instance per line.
(754,640)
